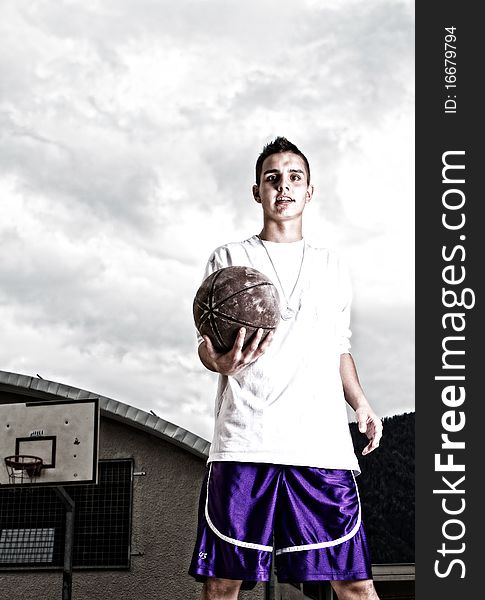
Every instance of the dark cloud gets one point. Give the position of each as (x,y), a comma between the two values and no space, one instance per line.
(129,135)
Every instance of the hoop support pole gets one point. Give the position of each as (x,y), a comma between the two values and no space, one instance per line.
(68,542)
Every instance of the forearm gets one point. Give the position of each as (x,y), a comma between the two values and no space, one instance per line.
(368,422)
(353,392)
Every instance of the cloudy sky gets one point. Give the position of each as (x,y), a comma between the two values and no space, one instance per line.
(129,132)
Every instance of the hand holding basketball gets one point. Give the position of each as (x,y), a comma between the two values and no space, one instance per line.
(237,359)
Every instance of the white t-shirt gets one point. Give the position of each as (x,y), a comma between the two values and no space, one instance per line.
(286,261)
(288,406)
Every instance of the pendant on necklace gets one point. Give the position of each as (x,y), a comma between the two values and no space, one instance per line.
(288,313)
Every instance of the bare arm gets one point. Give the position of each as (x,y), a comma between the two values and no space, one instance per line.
(236,359)
(369,423)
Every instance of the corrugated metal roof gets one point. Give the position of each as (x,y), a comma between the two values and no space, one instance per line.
(16,382)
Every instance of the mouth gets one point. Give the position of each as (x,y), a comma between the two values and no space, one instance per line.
(283,199)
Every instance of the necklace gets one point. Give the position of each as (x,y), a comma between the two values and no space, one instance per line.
(289,312)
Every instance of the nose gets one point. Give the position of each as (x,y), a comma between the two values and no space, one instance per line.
(283,184)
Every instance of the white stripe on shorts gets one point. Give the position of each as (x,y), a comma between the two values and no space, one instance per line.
(225,537)
(330,543)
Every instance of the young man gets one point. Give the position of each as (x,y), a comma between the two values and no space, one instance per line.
(281,465)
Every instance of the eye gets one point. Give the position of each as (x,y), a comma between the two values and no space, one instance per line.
(295,177)
(270,177)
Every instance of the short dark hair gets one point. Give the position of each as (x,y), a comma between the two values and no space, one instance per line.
(280,144)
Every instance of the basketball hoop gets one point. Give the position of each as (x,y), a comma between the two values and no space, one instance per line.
(23,468)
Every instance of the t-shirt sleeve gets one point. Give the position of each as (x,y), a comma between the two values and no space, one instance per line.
(217,260)
(344,301)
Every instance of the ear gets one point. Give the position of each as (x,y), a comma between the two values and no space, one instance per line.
(256,195)
(309,193)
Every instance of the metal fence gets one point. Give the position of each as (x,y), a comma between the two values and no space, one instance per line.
(32,523)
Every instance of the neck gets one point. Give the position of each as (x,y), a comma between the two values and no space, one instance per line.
(282,232)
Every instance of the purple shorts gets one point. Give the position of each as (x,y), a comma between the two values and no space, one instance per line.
(309,517)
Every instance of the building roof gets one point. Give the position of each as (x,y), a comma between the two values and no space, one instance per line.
(112,409)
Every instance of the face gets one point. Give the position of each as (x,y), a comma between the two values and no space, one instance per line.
(283,190)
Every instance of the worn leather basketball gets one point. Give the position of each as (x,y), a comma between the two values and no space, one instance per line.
(232,298)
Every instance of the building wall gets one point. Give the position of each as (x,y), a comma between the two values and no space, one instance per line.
(163,529)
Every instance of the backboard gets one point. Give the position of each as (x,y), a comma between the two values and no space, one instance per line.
(64,434)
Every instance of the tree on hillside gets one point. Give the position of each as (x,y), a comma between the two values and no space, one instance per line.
(386,487)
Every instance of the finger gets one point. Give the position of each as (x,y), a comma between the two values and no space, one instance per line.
(266,342)
(362,420)
(239,343)
(371,446)
(375,425)
(255,349)
(378,435)
(250,354)
(253,346)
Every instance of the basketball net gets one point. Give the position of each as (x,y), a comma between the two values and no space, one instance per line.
(23,468)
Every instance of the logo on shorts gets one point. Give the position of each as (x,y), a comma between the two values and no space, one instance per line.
(203,555)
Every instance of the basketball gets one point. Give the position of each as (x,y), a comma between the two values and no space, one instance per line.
(232,298)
